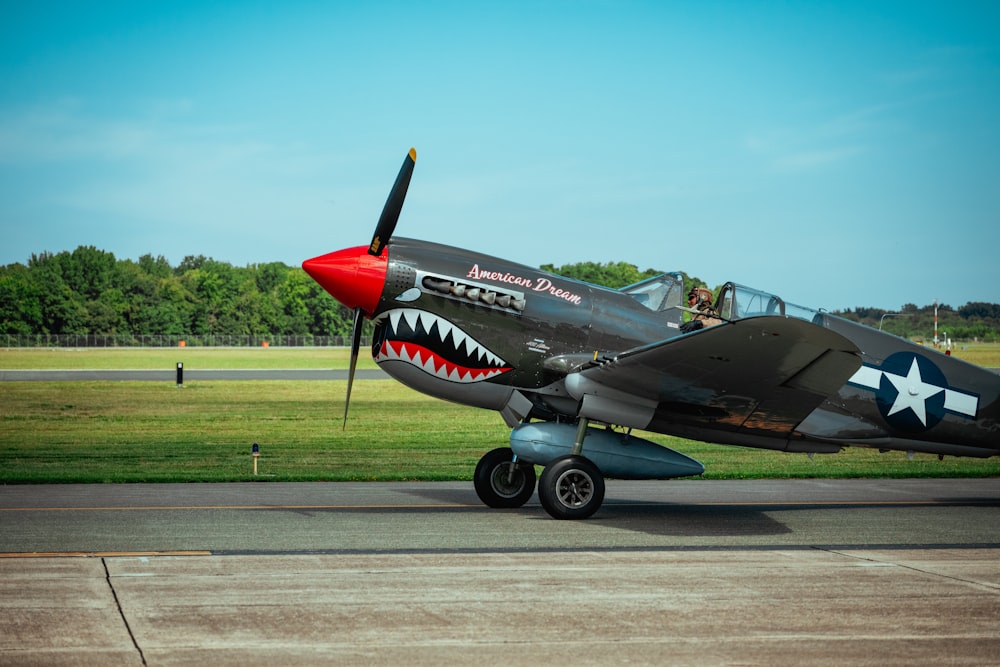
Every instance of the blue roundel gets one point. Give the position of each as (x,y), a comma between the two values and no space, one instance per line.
(911,392)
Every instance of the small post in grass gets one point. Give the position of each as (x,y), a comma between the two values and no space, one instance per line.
(180,374)
(256,455)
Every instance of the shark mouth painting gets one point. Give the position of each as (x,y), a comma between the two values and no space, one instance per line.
(434,345)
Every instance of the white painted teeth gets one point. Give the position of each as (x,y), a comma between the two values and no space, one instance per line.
(430,364)
(411,317)
(459,339)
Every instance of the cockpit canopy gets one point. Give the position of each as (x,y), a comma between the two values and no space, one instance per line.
(735,301)
(738,301)
(659,293)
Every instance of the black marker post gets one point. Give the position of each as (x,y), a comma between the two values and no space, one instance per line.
(180,374)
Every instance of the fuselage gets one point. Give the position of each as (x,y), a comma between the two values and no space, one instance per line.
(491,333)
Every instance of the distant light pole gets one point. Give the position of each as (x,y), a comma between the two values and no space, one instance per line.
(882,319)
(935,323)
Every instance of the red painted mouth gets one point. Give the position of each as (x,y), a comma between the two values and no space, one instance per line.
(436,346)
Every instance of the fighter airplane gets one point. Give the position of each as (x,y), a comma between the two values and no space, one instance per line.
(573,367)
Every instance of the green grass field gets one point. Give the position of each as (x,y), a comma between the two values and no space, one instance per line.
(148,431)
(166,358)
(981,354)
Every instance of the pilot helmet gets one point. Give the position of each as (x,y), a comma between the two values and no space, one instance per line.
(702,294)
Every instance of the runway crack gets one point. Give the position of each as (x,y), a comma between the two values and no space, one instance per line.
(978,584)
(121,612)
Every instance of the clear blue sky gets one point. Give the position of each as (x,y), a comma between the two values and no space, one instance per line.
(839,154)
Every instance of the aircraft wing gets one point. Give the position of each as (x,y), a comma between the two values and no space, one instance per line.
(758,376)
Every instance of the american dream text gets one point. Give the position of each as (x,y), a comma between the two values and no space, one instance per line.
(539,285)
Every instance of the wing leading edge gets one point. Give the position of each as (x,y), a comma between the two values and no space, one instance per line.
(751,379)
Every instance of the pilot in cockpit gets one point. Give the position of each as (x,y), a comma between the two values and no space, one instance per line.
(700,299)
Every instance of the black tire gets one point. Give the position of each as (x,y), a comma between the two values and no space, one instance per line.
(571,487)
(494,484)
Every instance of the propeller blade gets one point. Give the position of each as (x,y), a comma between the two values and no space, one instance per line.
(355,347)
(393,205)
(383,232)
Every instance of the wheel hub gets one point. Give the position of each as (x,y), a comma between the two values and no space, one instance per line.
(507,480)
(574,488)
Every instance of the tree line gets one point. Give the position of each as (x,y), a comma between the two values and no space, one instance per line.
(975,321)
(90,292)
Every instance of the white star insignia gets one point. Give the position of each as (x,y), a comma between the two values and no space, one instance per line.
(913,392)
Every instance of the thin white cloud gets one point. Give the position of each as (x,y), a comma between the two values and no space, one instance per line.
(817,158)
(828,143)
(170,183)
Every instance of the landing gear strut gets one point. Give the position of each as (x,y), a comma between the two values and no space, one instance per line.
(501,481)
(571,487)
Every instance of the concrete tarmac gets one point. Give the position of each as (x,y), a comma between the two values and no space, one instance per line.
(803,572)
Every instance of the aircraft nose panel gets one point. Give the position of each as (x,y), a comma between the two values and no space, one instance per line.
(351,276)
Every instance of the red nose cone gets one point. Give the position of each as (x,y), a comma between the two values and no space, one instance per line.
(352,276)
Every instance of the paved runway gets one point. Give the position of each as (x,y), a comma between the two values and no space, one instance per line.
(287,518)
(190,375)
(890,572)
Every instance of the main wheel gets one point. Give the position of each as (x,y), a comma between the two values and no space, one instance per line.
(571,487)
(500,482)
